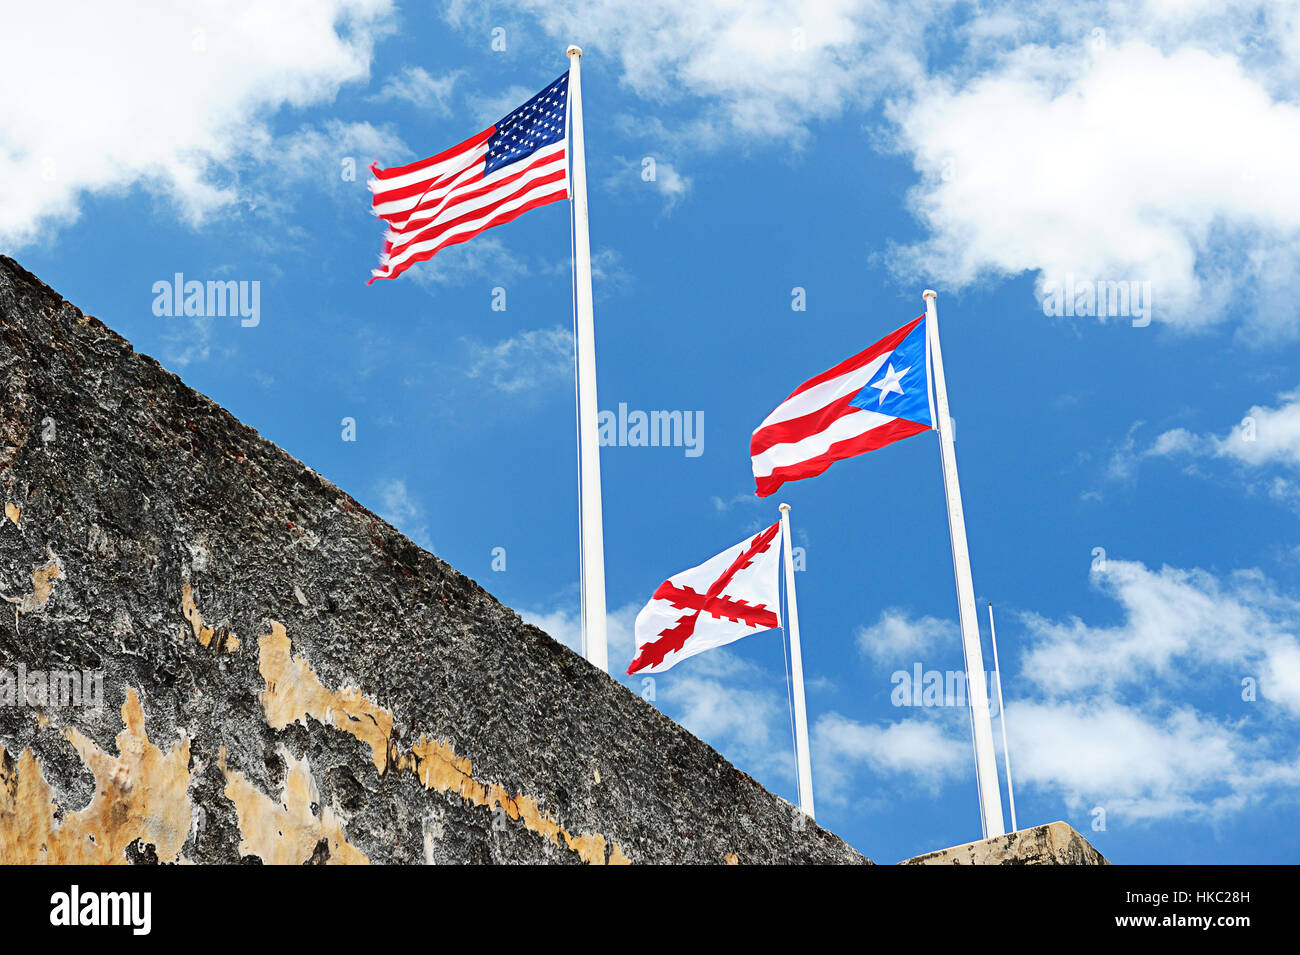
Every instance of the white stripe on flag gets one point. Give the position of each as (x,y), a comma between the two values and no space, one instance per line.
(446,213)
(448,166)
(555,188)
(841,429)
(819,396)
(407,203)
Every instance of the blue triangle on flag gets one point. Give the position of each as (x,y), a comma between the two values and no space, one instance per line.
(900,388)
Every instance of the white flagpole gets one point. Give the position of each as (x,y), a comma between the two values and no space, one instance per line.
(986,769)
(1002,719)
(592,544)
(796,668)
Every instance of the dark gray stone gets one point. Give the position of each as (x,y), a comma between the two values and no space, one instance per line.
(146,485)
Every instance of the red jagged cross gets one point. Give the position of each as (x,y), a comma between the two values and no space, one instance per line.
(713,601)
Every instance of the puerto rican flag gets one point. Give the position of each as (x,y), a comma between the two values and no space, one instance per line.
(723,599)
(875,398)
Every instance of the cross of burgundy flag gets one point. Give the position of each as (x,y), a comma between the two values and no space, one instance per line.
(517,164)
(723,599)
(875,398)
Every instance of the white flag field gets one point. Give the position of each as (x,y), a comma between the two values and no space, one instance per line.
(727,597)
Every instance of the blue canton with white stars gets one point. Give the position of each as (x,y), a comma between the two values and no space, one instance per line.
(537,123)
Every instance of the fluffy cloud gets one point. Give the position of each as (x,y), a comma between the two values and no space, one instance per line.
(1178,626)
(897,639)
(1110,723)
(926,750)
(747,723)
(1090,142)
(415,85)
(529,360)
(766,67)
(565,625)
(1112,163)
(485,258)
(1264,445)
(164,98)
(1098,142)
(1101,715)
(399,508)
(1264,436)
(667,182)
(1138,766)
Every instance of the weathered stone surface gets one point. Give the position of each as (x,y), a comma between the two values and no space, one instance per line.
(286,677)
(1056,843)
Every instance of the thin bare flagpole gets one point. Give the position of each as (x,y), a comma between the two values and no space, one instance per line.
(592,533)
(986,767)
(802,758)
(1002,718)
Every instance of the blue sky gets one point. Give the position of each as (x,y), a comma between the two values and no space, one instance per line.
(1130,485)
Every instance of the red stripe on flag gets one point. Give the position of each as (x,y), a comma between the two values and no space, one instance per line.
(896,430)
(418,188)
(470,190)
(499,219)
(430,198)
(796,429)
(432,229)
(888,343)
(392,172)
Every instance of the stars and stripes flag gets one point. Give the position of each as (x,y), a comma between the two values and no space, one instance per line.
(515,165)
(877,397)
(727,597)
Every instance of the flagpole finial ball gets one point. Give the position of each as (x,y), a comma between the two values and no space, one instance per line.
(929,293)
(573,50)
(784,507)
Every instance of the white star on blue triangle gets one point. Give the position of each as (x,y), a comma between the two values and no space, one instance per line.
(900,387)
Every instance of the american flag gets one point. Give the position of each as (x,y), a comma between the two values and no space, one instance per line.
(517,164)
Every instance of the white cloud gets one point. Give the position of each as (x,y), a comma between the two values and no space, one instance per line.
(630,175)
(398,507)
(1125,458)
(415,85)
(163,98)
(1264,436)
(564,624)
(1134,765)
(187,340)
(317,153)
(1177,625)
(672,185)
(897,638)
(722,505)
(921,748)
(486,258)
(488,109)
(763,68)
(747,723)
(1148,142)
(1123,162)
(532,359)
(1104,715)
(734,706)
